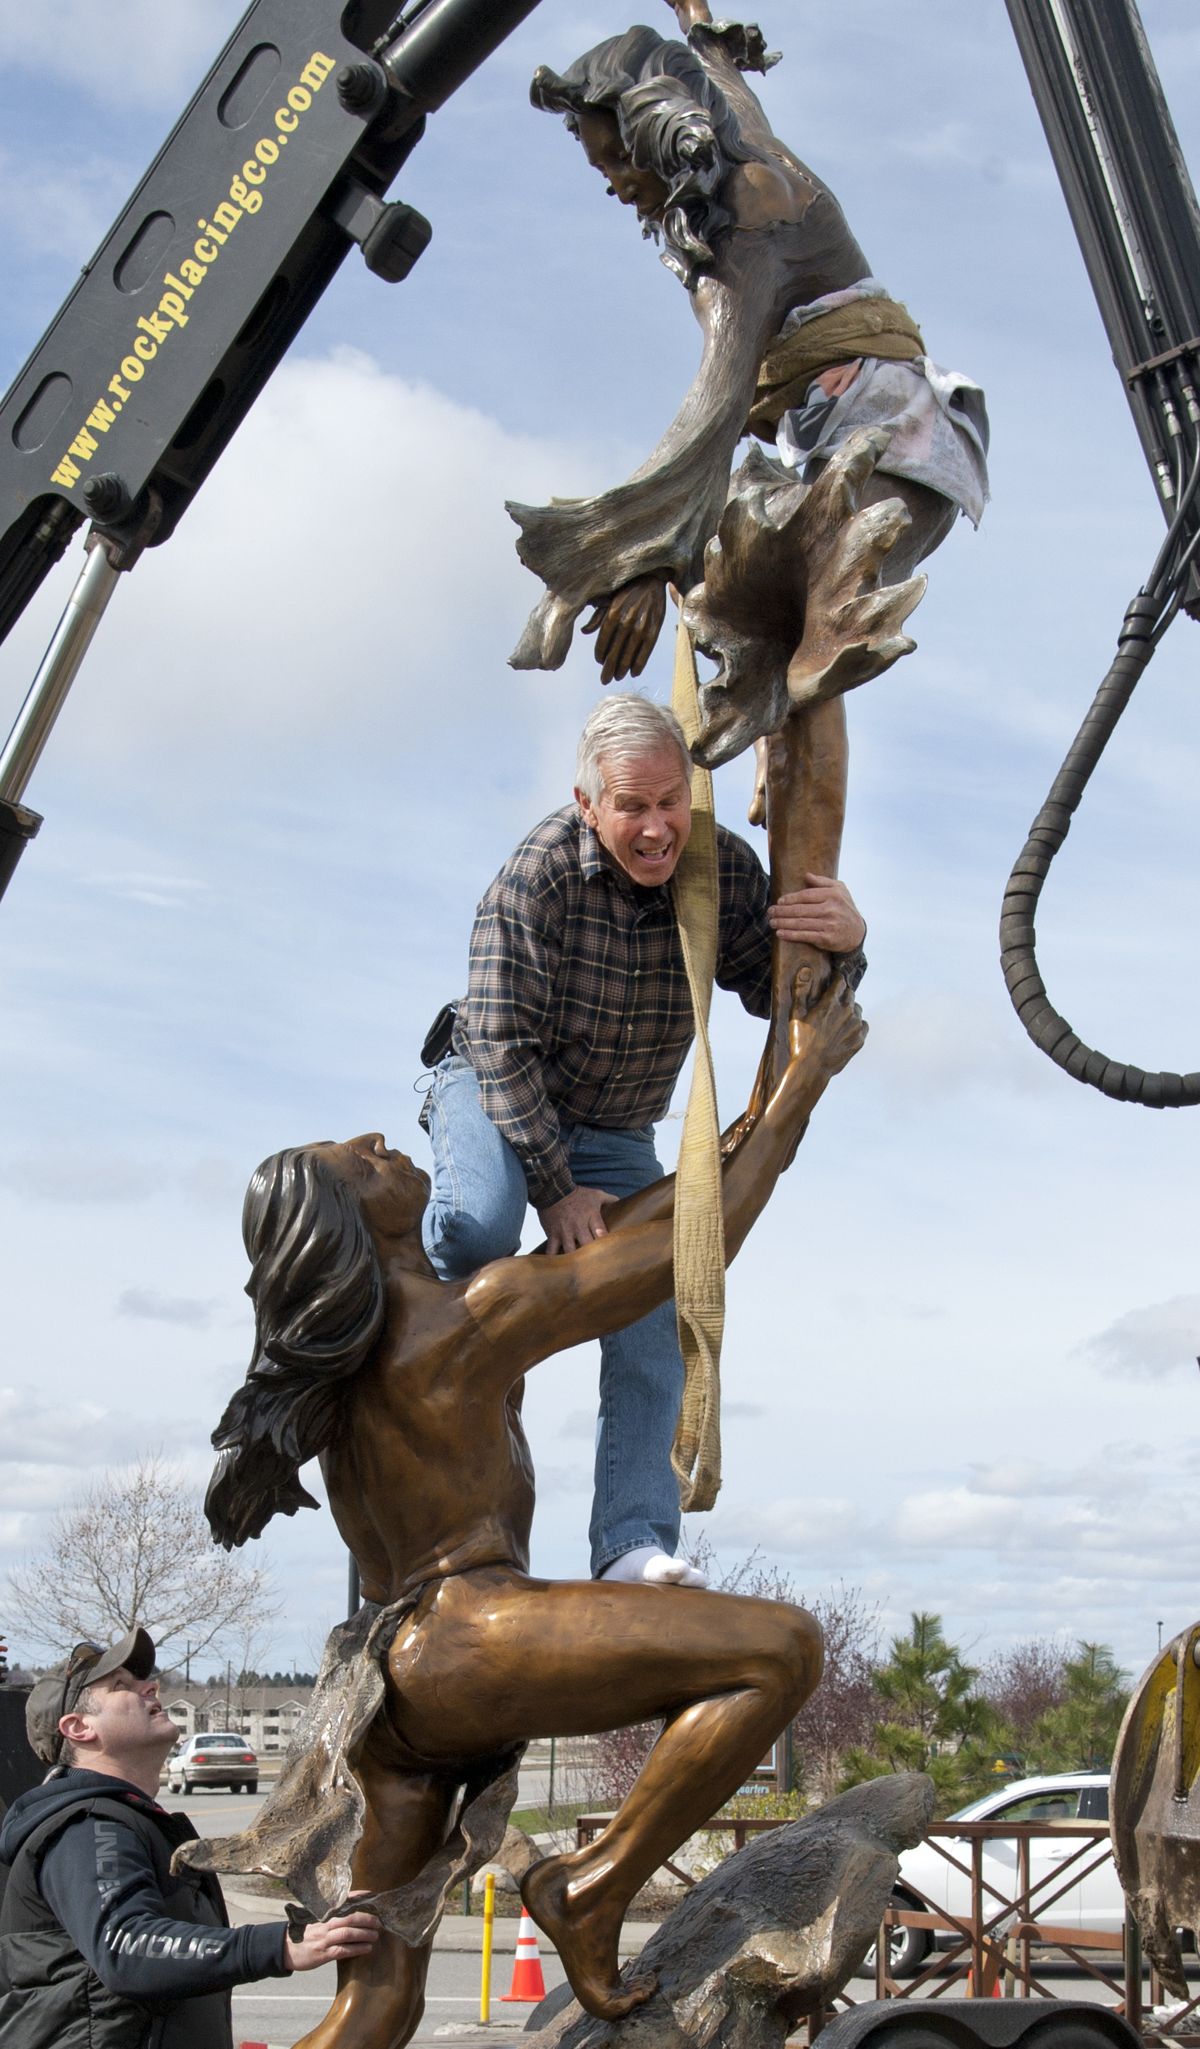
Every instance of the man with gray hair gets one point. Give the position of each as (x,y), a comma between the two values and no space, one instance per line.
(565,1053)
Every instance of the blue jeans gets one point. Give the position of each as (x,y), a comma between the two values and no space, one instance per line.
(476,1212)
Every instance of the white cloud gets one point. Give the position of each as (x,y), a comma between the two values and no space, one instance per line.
(160,892)
(152,1307)
(929,1050)
(1148,1343)
(1143,1529)
(800,1526)
(151,52)
(572,1483)
(51,1437)
(73,1174)
(386,626)
(57,210)
(1118,1469)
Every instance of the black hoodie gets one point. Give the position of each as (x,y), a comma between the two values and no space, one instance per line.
(99,1942)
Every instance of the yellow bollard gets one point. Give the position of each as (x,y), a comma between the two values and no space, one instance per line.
(489,1918)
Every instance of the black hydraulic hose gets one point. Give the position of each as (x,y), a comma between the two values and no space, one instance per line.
(1143,625)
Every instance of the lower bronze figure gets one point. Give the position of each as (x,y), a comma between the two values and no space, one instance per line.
(409,1390)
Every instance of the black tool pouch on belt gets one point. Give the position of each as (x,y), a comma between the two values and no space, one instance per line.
(439,1036)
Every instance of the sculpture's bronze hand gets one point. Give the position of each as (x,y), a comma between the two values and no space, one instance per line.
(627,625)
(808,984)
(825,1037)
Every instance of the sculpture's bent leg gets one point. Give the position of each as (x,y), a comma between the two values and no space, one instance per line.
(800,795)
(494,1658)
(381,1997)
(806,764)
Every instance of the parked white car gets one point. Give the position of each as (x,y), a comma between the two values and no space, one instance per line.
(215,1759)
(1093,1901)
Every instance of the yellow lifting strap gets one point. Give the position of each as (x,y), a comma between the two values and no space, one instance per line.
(699,1215)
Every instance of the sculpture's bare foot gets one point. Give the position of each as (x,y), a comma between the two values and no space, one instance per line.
(584,1929)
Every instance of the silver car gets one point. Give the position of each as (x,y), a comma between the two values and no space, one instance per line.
(214,1760)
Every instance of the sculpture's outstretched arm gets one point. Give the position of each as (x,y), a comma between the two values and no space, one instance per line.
(688,12)
(530,1307)
(727,51)
(657,523)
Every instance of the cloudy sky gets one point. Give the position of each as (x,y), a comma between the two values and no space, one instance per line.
(960,1368)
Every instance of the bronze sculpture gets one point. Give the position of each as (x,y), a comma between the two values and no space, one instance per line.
(784,298)
(796,575)
(410,1390)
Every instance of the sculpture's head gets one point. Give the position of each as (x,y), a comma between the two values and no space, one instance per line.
(318,1223)
(599,133)
(661,133)
(389,1191)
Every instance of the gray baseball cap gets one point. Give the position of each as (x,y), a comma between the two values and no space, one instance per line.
(56,1694)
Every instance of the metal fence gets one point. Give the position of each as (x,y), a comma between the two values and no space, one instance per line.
(991,1947)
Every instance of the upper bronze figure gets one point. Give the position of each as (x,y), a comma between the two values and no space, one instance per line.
(802,346)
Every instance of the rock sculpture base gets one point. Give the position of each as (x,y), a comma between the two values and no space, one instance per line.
(772,1935)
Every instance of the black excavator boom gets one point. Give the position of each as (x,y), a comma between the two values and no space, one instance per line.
(1135,214)
(276,167)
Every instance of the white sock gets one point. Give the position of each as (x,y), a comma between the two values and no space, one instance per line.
(648,1566)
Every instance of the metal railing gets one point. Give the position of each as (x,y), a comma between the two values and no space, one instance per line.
(992,1946)
(588,1827)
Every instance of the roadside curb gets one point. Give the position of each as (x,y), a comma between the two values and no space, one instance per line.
(463,1933)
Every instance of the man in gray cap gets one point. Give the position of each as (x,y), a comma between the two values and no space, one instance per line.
(102,1946)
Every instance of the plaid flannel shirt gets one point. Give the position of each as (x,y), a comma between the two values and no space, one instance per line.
(578,1010)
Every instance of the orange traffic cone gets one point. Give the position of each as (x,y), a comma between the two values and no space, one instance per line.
(528,1984)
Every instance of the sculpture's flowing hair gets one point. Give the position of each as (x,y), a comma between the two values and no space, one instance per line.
(318,1297)
(673,119)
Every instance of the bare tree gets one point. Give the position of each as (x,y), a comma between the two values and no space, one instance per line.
(617,1756)
(841,1714)
(843,1710)
(1024,1683)
(134,1547)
